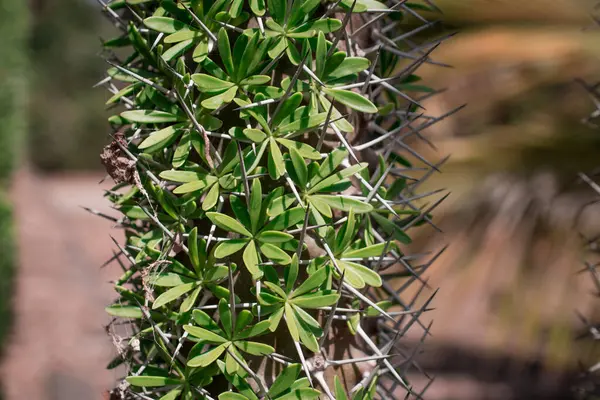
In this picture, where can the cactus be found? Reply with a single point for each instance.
(265, 188)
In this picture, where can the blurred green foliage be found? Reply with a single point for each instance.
(68, 123)
(13, 90)
(13, 125)
(6, 268)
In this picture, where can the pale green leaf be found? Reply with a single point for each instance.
(230, 247)
(352, 99)
(173, 294)
(227, 223)
(210, 84)
(207, 358)
(254, 348)
(149, 116)
(152, 381)
(275, 254)
(204, 334)
(344, 203)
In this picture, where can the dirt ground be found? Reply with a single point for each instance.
(58, 348)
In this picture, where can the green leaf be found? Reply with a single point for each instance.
(207, 358)
(274, 237)
(200, 52)
(170, 279)
(160, 138)
(277, 9)
(364, 252)
(275, 254)
(280, 204)
(177, 50)
(242, 68)
(256, 330)
(227, 223)
(232, 396)
(312, 282)
(288, 107)
(188, 303)
(230, 247)
(308, 322)
(225, 51)
(126, 91)
(285, 379)
(305, 150)
(315, 301)
(340, 122)
(258, 7)
(165, 24)
(194, 186)
(352, 100)
(384, 305)
(182, 151)
(225, 316)
(304, 394)
(254, 348)
(210, 84)
(255, 80)
(329, 165)
(359, 275)
(333, 62)
(346, 232)
(193, 249)
(181, 176)
(124, 311)
(391, 228)
(291, 323)
(173, 294)
(338, 176)
(306, 336)
(152, 381)
(285, 220)
(340, 393)
(149, 116)
(204, 320)
(276, 164)
(211, 198)
(204, 334)
(299, 167)
(278, 47)
(255, 135)
(215, 102)
(344, 203)
(291, 273)
(244, 317)
(250, 257)
(321, 54)
(350, 65)
(172, 395)
(325, 25)
(275, 318)
(303, 124)
(240, 210)
(319, 205)
(184, 34)
(255, 204)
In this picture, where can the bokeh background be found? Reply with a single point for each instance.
(505, 323)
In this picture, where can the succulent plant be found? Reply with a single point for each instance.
(265, 188)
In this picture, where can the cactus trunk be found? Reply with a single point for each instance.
(263, 171)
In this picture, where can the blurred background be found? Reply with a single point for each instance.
(505, 324)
